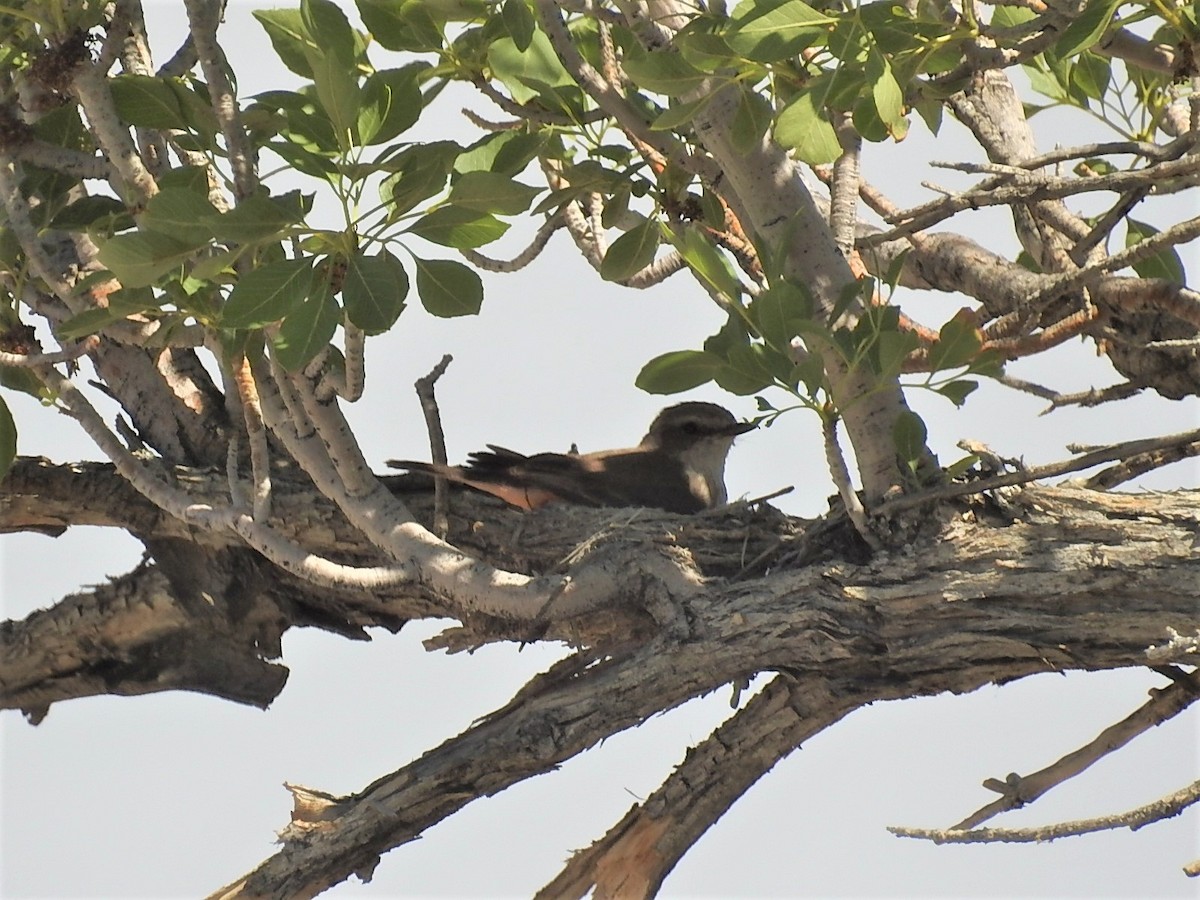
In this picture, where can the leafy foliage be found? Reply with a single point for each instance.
(795, 69)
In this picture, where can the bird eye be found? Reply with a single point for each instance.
(691, 428)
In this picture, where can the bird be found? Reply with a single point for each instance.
(679, 466)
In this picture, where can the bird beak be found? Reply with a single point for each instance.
(740, 428)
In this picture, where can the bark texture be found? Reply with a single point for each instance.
(984, 591)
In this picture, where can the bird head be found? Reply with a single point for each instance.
(688, 424)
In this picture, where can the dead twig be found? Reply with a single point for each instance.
(437, 442)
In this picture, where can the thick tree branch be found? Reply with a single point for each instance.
(637, 853)
(954, 615)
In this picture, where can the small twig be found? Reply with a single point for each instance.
(841, 478)
(522, 259)
(203, 19)
(30, 360)
(437, 442)
(754, 501)
(1028, 387)
(1087, 461)
(355, 346)
(256, 432)
(1140, 465)
(1134, 819)
(1181, 233)
(1094, 396)
(1018, 791)
(1016, 185)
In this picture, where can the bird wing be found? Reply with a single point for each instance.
(502, 473)
(610, 478)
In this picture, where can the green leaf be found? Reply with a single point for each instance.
(732, 334)
(146, 102)
(909, 434)
(373, 291)
(1009, 16)
(138, 259)
(930, 110)
(1087, 29)
(338, 91)
(490, 192)
(746, 370)
(255, 218)
(197, 110)
(663, 73)
(326, 22)
(289, 37)
(453, 226)
(679, 370)
(121, 304)
(19, 378)
(536, 65)
(179, 213)
(708, 263)
(958, 342)
(304, 160)
(518, 22)
(956, 391)
(751, 120)
(505, 153)
(804, 127)
(885, 91)
(1092, 75)
(770, 31)
(867, 122)
(679, 114)
(8, 439)
(421, 172)
(93, 210)
(779, 311)
(810, 372)
(892, 349)
(705, 50)
(307, 329)
(391, 103)
(448, 288)
(1164, 264)
(268, 293)
(631, 252)
(402, 24)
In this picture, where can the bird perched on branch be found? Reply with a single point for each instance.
(679, 466)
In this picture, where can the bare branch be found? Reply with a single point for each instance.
(525, 257)
(34, 360)
(1033, 186)
(1140, 464)
(1164, 808)
(841, 478)
(1018, 790)
(1180, 233)
(203, 18)
(260, 458)
(91, 87)
(637, 853)
(609, 97)
(1087, 461)
(437, 441)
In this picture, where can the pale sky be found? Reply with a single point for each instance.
(174, 795)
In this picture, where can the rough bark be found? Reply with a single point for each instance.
(1070, 579)
(1049, 580)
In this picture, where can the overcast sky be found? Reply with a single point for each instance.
(176, 794)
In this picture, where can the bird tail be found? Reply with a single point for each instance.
(425, 468)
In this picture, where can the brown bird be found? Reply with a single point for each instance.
(679, 466)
